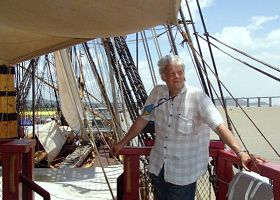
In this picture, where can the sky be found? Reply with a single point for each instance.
(252, 26)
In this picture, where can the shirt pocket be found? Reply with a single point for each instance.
(185, 125)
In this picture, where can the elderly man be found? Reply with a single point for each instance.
(183, 116)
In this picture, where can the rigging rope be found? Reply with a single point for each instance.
(102, 88)
(25, 84)
(207, 87)
(242, 111)
(155, 38)
(131, 74)
(245, 54)
(245, 63)
(171, 40)
(120, 77)
(213, 63)
(131, 71)
(52, 81)
(148, 56)
(121, 89)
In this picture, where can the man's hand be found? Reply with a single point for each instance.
(115, 148)
(134, 130)
(247, 160)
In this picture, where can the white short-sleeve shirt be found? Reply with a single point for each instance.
(182, 126)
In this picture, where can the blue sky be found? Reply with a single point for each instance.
(238, 12)
(251, 26)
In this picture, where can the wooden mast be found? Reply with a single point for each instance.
(8, 116)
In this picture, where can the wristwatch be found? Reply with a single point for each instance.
(240, 151)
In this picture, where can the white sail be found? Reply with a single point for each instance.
(52, 137)
(31, 28)
(70, 100)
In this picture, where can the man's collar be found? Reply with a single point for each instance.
(184, 89)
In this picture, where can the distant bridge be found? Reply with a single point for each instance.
(251, 101)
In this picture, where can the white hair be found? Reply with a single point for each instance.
(169, 60)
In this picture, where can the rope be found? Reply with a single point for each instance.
(133, 77)
(243, 112)
(245, 63)
(213, 62)
(155, 38)
(245, 54)
(120, 78)
(132, 73)
(148, 56)
(206, 88)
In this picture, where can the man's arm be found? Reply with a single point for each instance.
(229, 139)
(138, 125)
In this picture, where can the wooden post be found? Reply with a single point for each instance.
(8, 116)
(276, 189)
(131, 177)
(10, 165)
(18, 159)
(131, 171)
(27, 170)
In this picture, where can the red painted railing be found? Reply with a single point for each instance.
(223, 161)
(17, 166)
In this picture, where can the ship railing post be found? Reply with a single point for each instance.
(131, 171)
(17, 159)
(10, 167)
(276, 189)
(223, 165)
(27, 170)
(131, 177)
(225, 175)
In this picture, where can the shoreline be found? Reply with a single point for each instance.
(266, 120)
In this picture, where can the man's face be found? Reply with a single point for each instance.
(174, 77)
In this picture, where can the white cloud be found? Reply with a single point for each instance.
(194, 9)
(258, 21)
(237, 36)
(273, 37)
(241, 36)
(264, 45)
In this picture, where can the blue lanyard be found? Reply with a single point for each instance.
(163, 100)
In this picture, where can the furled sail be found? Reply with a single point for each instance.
(70, 100)
(34, 27)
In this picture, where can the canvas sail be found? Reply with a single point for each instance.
(70, 100)
(52, 137)
(34, 27)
